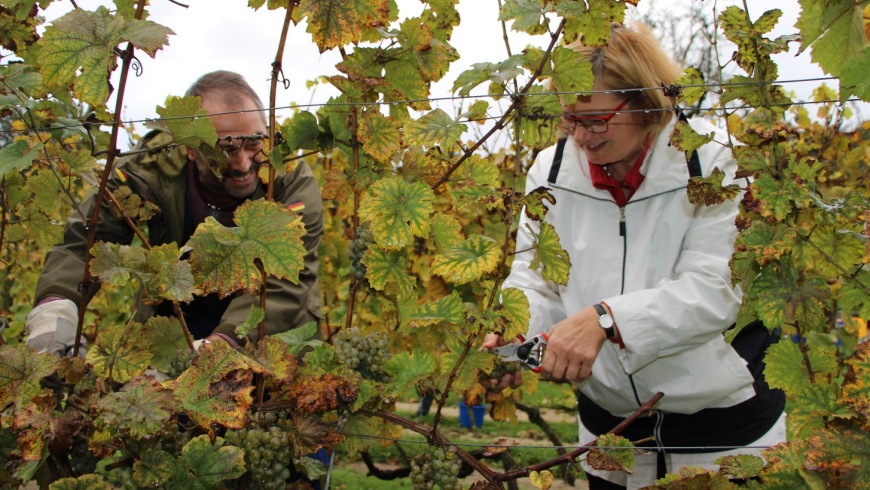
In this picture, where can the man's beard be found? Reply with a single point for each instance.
(215, 180)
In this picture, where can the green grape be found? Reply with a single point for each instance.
(436, 466)
(180, 362)
(268, 451)
(364, 354)
(357, 248)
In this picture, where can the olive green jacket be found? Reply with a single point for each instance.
(161, 178)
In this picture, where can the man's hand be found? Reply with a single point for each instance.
(573, 346)
(51, 327)
(513, 380)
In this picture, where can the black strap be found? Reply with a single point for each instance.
(557, 161)
(694, 163)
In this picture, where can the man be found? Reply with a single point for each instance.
(187, 188)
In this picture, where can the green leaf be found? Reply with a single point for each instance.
(407, 369)
(256, 316)
(686, 139)
(386, 272)
(337, 23)
(18, 155)
(469, 260)
(841, 35)
(515, 306)
(709, 191)
(160, 272)
(217, 386)
(39, 227)
(406, 83)
(474, 360)
(740, 466)
(854, 77)
(550, 257)
(449, 309)
(166, 338)
(446, 231)
(498, 73)
(692, 76)
(771, 292)
(299, 337)
(613, 453)
(359, 424)
(45, 189)
(591, 25)
(785, 468)
(380, 136)
(183, 119)
(79, 46)
(157, 468)
(853, 296)
(84, 482)
(212, 463)
(397, 211)
(21, 369)
(118, 353)
(835, 250)
(785, 369)
(535, 208)
(540, 117)
(436, 127)
(476, 111)
(571, 73)
(273, 354)
(300, 131)
(527, 16)
(141, 409)
(224, 259)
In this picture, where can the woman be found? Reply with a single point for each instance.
(649, 295)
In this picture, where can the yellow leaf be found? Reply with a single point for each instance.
(542, 480)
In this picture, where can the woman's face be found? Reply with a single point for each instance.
(607, 135)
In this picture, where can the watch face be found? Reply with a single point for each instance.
(606, 321)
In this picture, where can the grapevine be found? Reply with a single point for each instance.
(365, 354)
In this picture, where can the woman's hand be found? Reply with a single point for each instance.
(514, 380)
(573, 346)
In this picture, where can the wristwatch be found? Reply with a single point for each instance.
(605, 321)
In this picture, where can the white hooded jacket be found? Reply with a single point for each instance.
(660, 263)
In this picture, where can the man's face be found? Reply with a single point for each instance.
(239, 179)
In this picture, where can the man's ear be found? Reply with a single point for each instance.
(191, 155)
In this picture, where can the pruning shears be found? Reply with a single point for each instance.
(529, 352)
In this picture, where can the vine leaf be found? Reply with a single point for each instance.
(310, 433)
(446, 231)
(571, 72)
(141, 408)
(834, 32)
(18, 155)
(854, 76)
(515, 306)
(535, 208)
(21, 369)
(256, 316)
(448, 309)
(785, 467)
(407, 369)
(614, 453)
(273, 354)
(360, 424)
(223, 259)
(386, 272)
(469, 260)
(550, 257)
(527, 16)
(42, 429)
(592, 24)
(498, 73)
(692, 81)
(212, 463)
(466, 374)
(785, 368)
(217, 386)
(436, 127)
(543, 480)
(300, 131)
(709, 190)
(337, 23)
(397, 211)
(687, 139)
(771, 291)
(740, 466)
(84, 482)
(856, 392)
(162, 275)
(166, 338)
(299, 337)
(45, 232)
(839, 455)
(380, 136)
(183, 119)
(540, 111)
(157, 468)
(78, 48)
(119, 353)
(476, 181)
(324, 392)
(133, 205)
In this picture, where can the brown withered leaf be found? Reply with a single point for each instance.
(38, 423)
(336, 185)
(274, 354)
(482, 485)
(534, 203)
(322, 394)
(309, 434)
(72, 370)
(500, 445)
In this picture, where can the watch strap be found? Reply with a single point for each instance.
(609, 331)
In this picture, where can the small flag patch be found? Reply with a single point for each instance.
(296, 206)
(121, 175)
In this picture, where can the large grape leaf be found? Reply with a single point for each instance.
(854, 77)
(223, 259)
(446, 231)
(571, 73)
(274, 354)
(785, 369)
(38, 226)
(540, 113)
(158, 468)
(475, 181)
(407, 368)
(481, 72)
(337, 23)
(83, 482)
(687, 139)
(740, 466)
(835, 249)
(856, 389)
(436, 127)
(405, 83)
(119, 353)
(397, 211)
(469, 260)
(162, 275)
(592, 24)
(515, 306)
(814, 407)
(380, 136)
(709, 190)
(785, 468)
(141, 408)
(449, 309)
(612, 453)
(217, 386)
(18, 155)
(834, 31)
(841, 457)
(692, 81)
(300, 131)
(385, 271)
(182, 119)
(771, 291)
(20, 371)
(78, 48)
(550, 257)
(299, 337)
(165, 337)
(212, 463)
(527, 15)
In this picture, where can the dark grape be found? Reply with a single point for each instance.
(436, 466)
(365, 354)
(81, 459)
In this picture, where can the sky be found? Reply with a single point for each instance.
(226, 34)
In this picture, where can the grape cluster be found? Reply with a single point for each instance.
(364, 354)
(361, 240)
(180, 362)
(268, 453)
(502, 369)
(437, 466)
(81, 459)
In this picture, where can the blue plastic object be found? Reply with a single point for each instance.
(477, 411)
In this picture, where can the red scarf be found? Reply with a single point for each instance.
(601, 180)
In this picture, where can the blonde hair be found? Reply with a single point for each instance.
(633, 59)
